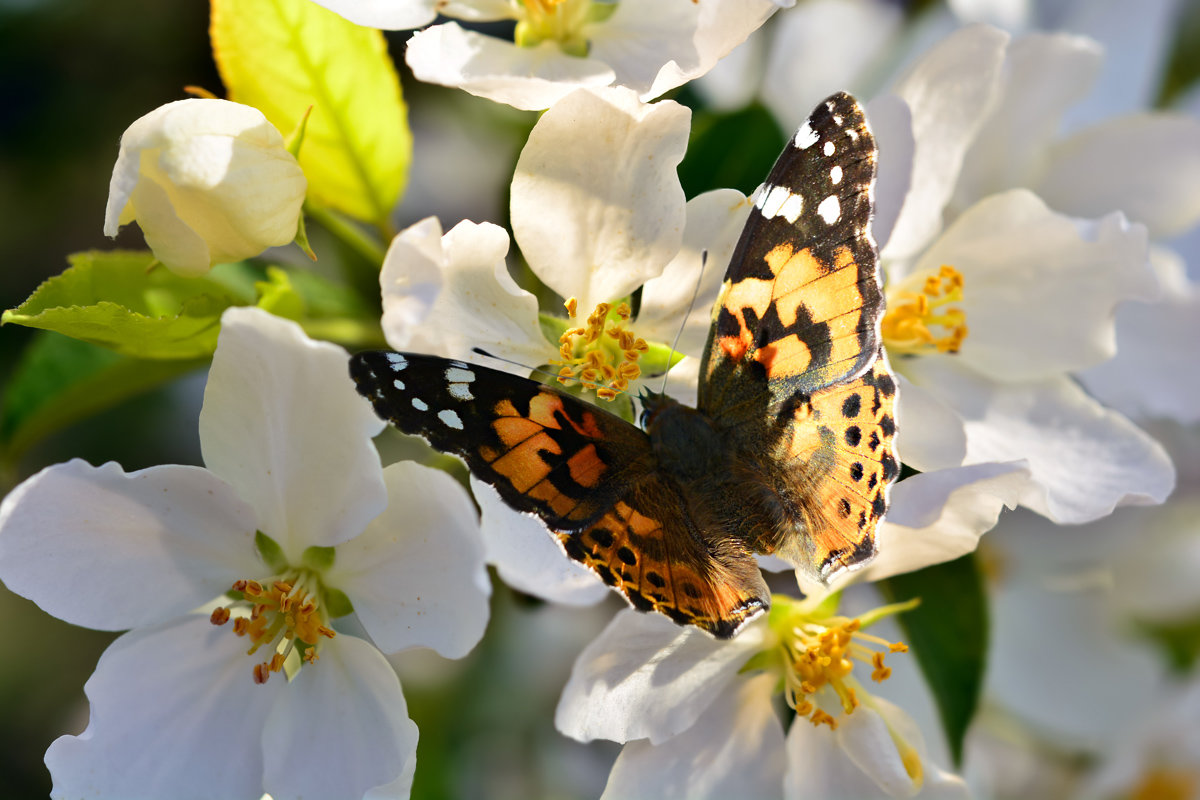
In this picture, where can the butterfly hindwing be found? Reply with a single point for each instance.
(648, 547)
(587, 474)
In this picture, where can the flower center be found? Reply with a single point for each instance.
(285, 615)
(819, 651)
(601, 355)
(917, 319)
(1165, 783)
(560, 21)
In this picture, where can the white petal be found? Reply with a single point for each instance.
(655, 47)
(645, 678)
(641, 37)
(526, 556)
(866, 736)
(340, 729)
(735, 749)
(714, 223)
(949, 93)
(1023, 267)
(1055, 656)
(171, 239)
(1085, 459)
(1008, 14)
(597, 208)
(930, 434)
(1147, 378)
(806, 64)
(939, 516)
(1137, 36)
(416, 575)
(175, 712)
(1146, 165)
(819, 769)
(134, 549)
(449, 294)
(283, 424)
(529, 78)
(891, 122)
(387, 14)
(1044, 75)
(1155, 575)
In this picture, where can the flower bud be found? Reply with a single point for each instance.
(208, 181)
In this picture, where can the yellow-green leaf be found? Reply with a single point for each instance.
(283, 56)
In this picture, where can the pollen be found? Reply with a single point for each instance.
(284, 616)
(918, 319)
(819, 655)
(602, 354)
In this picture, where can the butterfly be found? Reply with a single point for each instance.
(789, 450)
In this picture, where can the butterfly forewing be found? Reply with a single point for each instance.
(800, 306)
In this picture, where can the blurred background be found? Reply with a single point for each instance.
(73, 75)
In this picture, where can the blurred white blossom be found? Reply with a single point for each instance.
(294, 512)
(560, 45)
(208, 181)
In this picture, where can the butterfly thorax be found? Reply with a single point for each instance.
(682, 438)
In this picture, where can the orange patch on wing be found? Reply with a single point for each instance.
(524, 465)
(544, 490)
(586, 467)
(514, 430)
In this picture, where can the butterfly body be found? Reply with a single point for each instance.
(788, 452)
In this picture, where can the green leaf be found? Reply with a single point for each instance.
(122, 301)
(283, 56)
(730, 150)
(59, 381)
(948, 633)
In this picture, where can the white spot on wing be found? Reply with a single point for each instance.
(450, 419)
(830, 209)
(399, 384)
(399, 362)
(835, 175)
(460, 391)
(459, 375)
(805, 138)
(792, 208)
(419, 404)
(772, 200)
(830, 148)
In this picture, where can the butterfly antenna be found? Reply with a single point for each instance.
(691, 305)
(536, 370)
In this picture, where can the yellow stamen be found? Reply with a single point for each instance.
(819, 653)
(1165, 783)
(283, 617)
(601, 355)
(917, 309)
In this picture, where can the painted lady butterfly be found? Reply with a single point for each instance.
(789, 450)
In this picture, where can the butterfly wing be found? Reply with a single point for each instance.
(587, 474)
(795, 347)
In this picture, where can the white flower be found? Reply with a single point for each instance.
(294, 507)
(697, 713)
(208, 181)
(560, 45)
